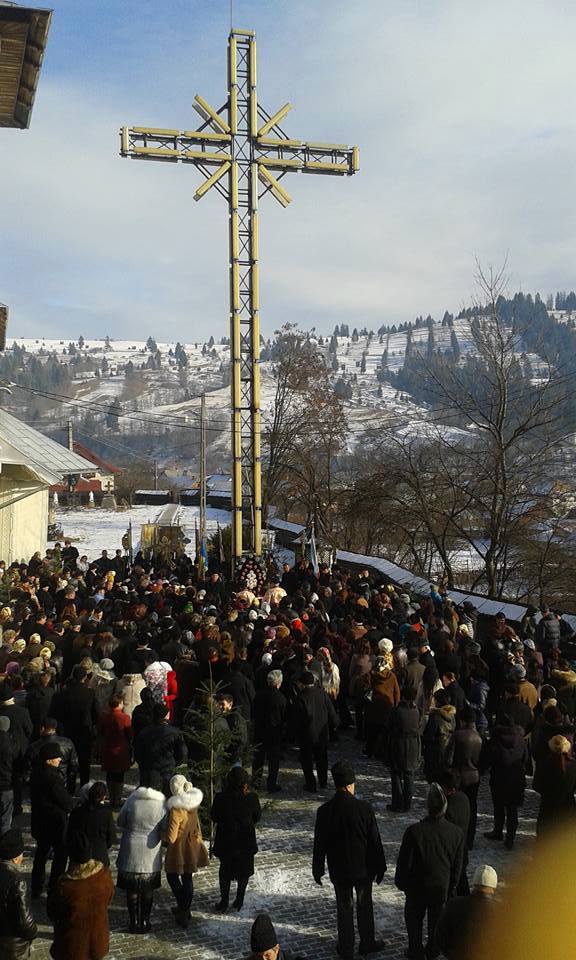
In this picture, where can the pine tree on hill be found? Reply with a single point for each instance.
(455, 345)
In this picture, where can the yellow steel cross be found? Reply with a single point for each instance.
(243, 153)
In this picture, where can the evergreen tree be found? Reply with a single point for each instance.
(354, 335)
(81, 341)
(363, 363)
(455, 345)
(151, 345)
(211, 744)
(114, 412)
(431, 345)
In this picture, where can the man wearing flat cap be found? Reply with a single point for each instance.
(17, 927)
(347, 835)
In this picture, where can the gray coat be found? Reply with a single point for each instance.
(141, 820)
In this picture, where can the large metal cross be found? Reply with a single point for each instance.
(243, 153)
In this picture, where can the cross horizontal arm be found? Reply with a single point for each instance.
(307, 157)
(153, 143)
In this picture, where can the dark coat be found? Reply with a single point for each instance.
(242, 690)
(96, 821)
(236, 815)
(269, 712)
(79, 908)
(17, 927)
(404, 737)
(544, 732)
(38, 703)
(548, 633)
(7, 754)
(51, 804)
(68, 768)
(20, 727)
(466, 750)
(75, 709)
(313, 713)
(456, 694)
(458, 811)
(160, 747)
(412, 677)
(507, 755)
(456, 934)
(430, 858)
(437, 741)
(346, 834)
(555, 781)
(142, 717)
(519, 712)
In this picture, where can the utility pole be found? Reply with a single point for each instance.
(70, 436)
(243, 153)
(202, 470)
(155, 474)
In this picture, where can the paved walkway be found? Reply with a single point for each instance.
(303, 913)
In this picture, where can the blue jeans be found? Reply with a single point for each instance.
(6, 809)
(182, 887)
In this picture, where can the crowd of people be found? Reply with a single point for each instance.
(107, 665)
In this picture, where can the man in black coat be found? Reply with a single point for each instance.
(269, 711)
(17, 927)
(404, 753)
(314, 712)
(346, 834)
(51, 803)
(68, 768)
(20, 732)
(458, 812)
(7, 751)
(160, 747)
(427, 871)
(76, 710)
(467, 750)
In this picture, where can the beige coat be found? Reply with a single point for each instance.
(185, 852)
(132, 685)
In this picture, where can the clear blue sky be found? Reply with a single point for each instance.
(464, 115)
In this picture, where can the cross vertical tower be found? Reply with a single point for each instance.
(243, 146)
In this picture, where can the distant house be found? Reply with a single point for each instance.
(29, 464)
(218, 492)
(99, 480)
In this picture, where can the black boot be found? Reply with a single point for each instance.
(132, 904)
(147, 899)
(240, 891)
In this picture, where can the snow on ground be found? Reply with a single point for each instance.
(95, 530)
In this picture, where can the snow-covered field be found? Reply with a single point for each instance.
(95, 530)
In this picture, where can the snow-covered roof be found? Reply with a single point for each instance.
(22, 444)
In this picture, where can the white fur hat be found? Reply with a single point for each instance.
(179, 784)
(385, 645)
(485, 876)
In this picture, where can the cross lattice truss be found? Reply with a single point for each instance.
(243, 153)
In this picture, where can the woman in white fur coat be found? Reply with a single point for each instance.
(185, 853)
(140, 854)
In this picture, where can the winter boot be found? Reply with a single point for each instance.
(132, 904)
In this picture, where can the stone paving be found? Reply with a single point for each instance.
(303, 913)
